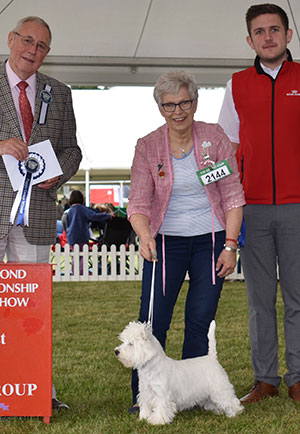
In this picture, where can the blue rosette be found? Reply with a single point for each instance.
(31, 169)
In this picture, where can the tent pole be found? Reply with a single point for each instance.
(87, 188)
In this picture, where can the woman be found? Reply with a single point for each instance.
(192, 228)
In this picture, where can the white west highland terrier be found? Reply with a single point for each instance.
(167, 386)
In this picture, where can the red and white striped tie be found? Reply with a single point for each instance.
(25, 109)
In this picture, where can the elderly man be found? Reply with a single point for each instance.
(33, 108)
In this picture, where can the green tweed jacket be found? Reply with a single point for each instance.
(60, 128)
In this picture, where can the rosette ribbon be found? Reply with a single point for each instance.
(32, 168)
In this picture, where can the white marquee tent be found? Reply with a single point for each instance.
(131, 42)
(113, 42)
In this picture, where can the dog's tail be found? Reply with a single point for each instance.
(212, 346)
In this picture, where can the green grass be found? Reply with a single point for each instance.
(87, 318)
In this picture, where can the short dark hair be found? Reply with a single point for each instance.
(266, 8)
(76, 197)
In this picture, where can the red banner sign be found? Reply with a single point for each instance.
(26, 340)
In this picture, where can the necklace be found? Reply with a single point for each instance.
(183, 153)
(179, 148)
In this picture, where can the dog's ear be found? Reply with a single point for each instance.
(131, 324)
(146, 331)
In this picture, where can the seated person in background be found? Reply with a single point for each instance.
(78, 218)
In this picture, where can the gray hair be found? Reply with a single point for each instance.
(172, 81)
(30, 19)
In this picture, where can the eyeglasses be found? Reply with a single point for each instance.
(170, 107)
(28, 41)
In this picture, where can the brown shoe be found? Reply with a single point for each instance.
(294, 392)
(259, 391)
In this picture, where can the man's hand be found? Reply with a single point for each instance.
(46, 185)
(14, 147)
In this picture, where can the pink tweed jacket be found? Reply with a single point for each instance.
(152, 174)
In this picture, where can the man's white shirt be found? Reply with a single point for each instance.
(228, 118)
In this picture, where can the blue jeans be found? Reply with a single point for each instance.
(182, 255)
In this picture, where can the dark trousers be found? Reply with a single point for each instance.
(182, 255)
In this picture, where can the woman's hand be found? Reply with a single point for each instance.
(227, 259)
(148, 248)
(140, 224)
(226, 263)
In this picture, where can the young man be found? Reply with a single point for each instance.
(260, 114)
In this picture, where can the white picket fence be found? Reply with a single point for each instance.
(104, 264)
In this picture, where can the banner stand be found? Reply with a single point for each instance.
(26, 340)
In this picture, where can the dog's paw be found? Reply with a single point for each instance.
(155, 420)
(145, 414)
(233, 411)
(160, 418)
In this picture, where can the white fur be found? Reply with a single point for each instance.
(167, 386)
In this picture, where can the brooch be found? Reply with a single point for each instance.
(161, 173)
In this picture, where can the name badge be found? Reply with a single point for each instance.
(214, 173)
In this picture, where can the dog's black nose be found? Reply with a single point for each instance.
(117, 352)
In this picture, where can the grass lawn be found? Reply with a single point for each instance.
(87, 318)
